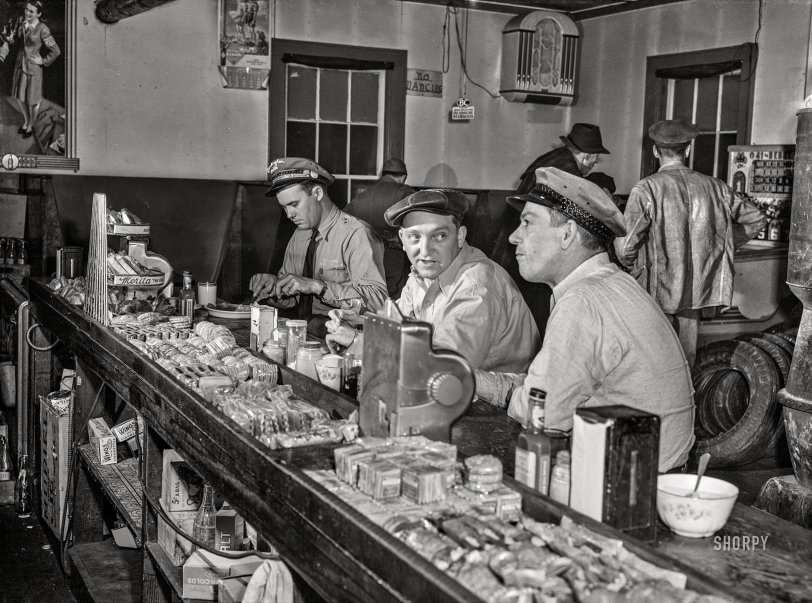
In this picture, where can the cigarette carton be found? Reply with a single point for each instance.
(182, 487)
(103, 441)
(174, 545)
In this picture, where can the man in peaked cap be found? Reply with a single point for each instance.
(473, 305)
(333, 260)
(606, 341)
(683, 227)
(370, 205)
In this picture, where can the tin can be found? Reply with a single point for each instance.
(263, 322)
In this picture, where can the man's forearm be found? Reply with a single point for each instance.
(496, 388)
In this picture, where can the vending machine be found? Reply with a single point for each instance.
(763, 174)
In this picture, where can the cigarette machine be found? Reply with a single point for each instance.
(407, 386)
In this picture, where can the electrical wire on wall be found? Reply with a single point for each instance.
(452, 14)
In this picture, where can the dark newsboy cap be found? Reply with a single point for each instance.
(393, 165)
(672, 132)
(577, 198)
(586, 138)
(287, 171)
(446, 202)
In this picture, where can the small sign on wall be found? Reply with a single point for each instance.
(245, 60)
(424, 82)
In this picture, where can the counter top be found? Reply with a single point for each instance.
(346, 557)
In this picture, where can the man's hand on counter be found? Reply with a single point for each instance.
(261, 284)
(291, 284)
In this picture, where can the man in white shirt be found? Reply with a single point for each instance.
(607, 342)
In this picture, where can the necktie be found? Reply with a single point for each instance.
(306, 300)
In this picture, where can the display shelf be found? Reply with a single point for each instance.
(121, 485)
(171, 573)
(106, 572)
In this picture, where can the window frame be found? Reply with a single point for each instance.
(656, 90)
(394, 121)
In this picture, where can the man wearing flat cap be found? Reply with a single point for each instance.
(473, 305)
(606, 341)
(333, 260)
(369, 205)
(683, 227)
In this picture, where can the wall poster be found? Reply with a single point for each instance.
(245, 58)
(36, 85)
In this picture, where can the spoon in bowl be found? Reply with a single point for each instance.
(703, 464)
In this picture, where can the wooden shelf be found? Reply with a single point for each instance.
(121, 485)
(171, 573)
(107, 572)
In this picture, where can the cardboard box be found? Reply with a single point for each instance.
(202, 571)
(55, 455)
(182, 487)
(229, 529)
(103, 441)
(174, 545)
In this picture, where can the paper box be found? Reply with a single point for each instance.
(103, 441)
(55, 455)
(229, 529)
(174, 545)
(182, 487)
(202, 571)
(232, 590)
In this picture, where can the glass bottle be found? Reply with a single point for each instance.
(533, 446)
(3, 245)
(22, 489)
(560, 478)
(11, 252)
(204, 527)
(6, 470)
(354, 364)
(22, 254)
(187, 297)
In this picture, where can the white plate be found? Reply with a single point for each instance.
(228, 313)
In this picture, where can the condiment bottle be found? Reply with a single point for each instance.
(22, 489)
(354, 364)
(204, 526)
(187, 296)
(560, 478)
(533, 447)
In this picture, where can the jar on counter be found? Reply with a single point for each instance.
(306, 356)
(297, 334)
(275, 350)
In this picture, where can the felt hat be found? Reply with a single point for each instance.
(586, 138)
(577, 198)
(287, 171)
(446, 202)
(393, 165)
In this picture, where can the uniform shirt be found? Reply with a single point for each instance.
(348, 259)
(561, 158)
(608, 343)
(680, 237)
(477, 311)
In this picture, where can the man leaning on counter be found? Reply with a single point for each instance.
(333, 260)
(607, 342)
(473, 305)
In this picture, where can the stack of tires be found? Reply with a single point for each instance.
(738, 416)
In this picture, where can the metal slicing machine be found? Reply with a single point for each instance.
(407, 386)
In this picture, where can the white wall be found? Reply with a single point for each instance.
(151, 102)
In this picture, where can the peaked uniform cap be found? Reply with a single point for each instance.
(586, 138)
(287, 171)
(446, 202)
(672, 132)
(577, 198)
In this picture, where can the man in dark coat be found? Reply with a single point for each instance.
(370, 205)
(577, 157)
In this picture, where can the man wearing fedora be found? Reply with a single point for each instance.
(473, 305)
(369, 205)
(606, 341)
(333, 260)
(683, 227)
(578, 155)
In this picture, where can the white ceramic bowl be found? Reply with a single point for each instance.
(694, 517)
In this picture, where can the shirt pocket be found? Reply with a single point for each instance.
(333, 271)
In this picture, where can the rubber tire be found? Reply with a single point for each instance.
(747, 440)
(729, 399)
(704, 387)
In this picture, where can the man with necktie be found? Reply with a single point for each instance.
(333, 260)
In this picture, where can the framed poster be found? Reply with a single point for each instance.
(37, 108)
(245, 59)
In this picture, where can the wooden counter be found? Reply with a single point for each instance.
(340, 553)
